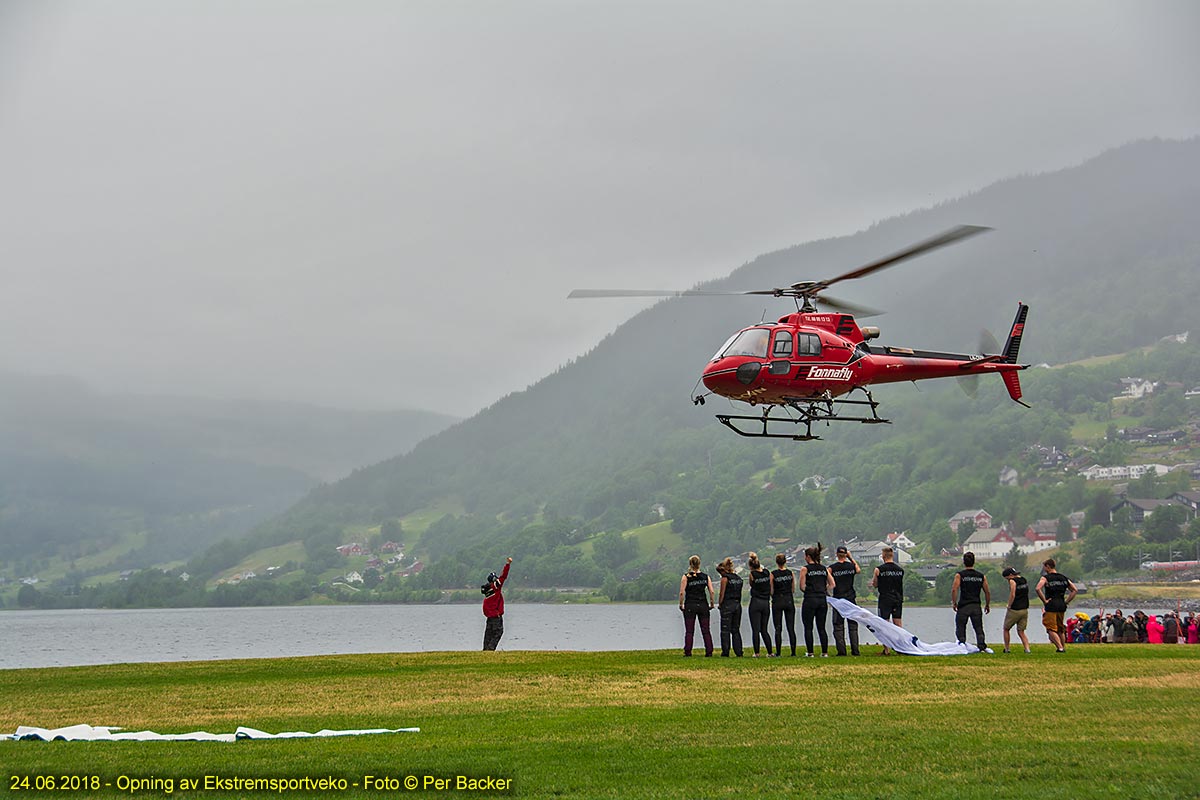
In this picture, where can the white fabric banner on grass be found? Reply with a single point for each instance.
(89, 733)
(896, 637)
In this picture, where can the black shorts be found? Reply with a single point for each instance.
(889, 609)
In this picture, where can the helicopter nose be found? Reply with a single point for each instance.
(730, 382)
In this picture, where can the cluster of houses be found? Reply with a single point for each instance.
(1140, 510)
(988, 542)
(394, 552)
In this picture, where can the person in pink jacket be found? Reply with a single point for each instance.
(1154, 631)
(1193, 631)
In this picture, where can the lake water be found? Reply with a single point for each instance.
(90, 636)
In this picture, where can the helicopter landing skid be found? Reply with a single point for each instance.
(807, 412)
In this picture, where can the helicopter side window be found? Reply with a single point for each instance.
(783, 345)
(751, 342)
(810, 344)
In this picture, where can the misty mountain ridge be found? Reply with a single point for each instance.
(80, 470)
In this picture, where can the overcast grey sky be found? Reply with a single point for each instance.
(384, 204)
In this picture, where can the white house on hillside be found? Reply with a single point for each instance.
(1128, 472)
(995, 543)
(871, 553)
(1136, 387)
(1009, 476)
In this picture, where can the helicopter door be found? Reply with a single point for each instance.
(781, 353)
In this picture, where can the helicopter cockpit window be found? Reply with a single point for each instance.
(810, 344)
(783, 345)
(752, 343)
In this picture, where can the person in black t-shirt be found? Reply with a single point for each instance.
(888, 581)
(816, 583)
(1018, 607)
(783, 603)
(760, 604)
(968, 584)
(729, 606)
(1056, 591)
(844, 571)
(695, 601)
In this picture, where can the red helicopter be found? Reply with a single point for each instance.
(804, 363)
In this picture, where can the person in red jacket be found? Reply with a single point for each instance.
(493, 607)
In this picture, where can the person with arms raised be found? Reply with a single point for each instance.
(729, 606)
(844, 572)
(493, 607)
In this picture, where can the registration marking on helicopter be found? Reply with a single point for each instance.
(827, 374)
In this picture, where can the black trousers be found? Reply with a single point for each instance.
(839, 633)
(779, 612)
(815, 611)
(973, 612)
(760, 616)
(493, 632)
(731, 629)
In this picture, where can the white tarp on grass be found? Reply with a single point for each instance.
(89, 733)
(896, 637)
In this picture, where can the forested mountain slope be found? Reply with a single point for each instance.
(1106, 253)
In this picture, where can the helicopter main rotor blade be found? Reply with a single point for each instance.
(806, 289)
(951, 236)
(583, 294)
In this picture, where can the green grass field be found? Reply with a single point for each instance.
(1100, 721)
